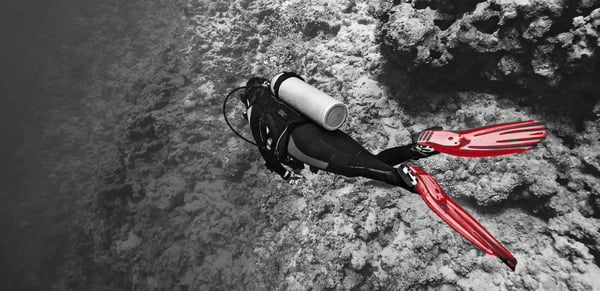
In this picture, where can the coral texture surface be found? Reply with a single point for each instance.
(163, 196)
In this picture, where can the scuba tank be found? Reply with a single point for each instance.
(312, 102)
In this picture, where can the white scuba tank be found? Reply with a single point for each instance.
(312, 102)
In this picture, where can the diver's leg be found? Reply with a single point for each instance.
(396, 155)
(338, 153)
(344, 142)
(364, 165)
(401, 154)
(316, 160)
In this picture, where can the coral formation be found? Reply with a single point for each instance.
(546, 48)
(180, 203)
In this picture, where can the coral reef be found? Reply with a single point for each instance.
(537, 48)
(178, 202)
(208, 215)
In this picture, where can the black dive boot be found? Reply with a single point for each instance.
(422, 151)
(406, 175)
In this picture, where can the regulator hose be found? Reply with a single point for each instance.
(225, 112)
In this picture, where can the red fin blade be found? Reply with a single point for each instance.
(458, 218)
(507, 135)
(491, 140)
(504, 126)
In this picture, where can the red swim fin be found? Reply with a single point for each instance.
(492, 140)
(457, 217)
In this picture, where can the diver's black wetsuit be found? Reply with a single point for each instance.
(335, 151)
(285, 136)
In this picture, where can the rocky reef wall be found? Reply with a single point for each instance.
(544, 51)
(188, 205)
(68, 71)
(170, 199)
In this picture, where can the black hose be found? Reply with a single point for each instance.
(225, 112)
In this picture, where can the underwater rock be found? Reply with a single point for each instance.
(545, 47)
(117, 192)
(143, 128)
(213, 217)
(132, 242)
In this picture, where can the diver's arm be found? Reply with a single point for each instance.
(274, 165)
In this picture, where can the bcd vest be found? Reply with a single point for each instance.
(277, 121)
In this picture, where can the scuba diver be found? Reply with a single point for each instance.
(294, 124)
(285, 136)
